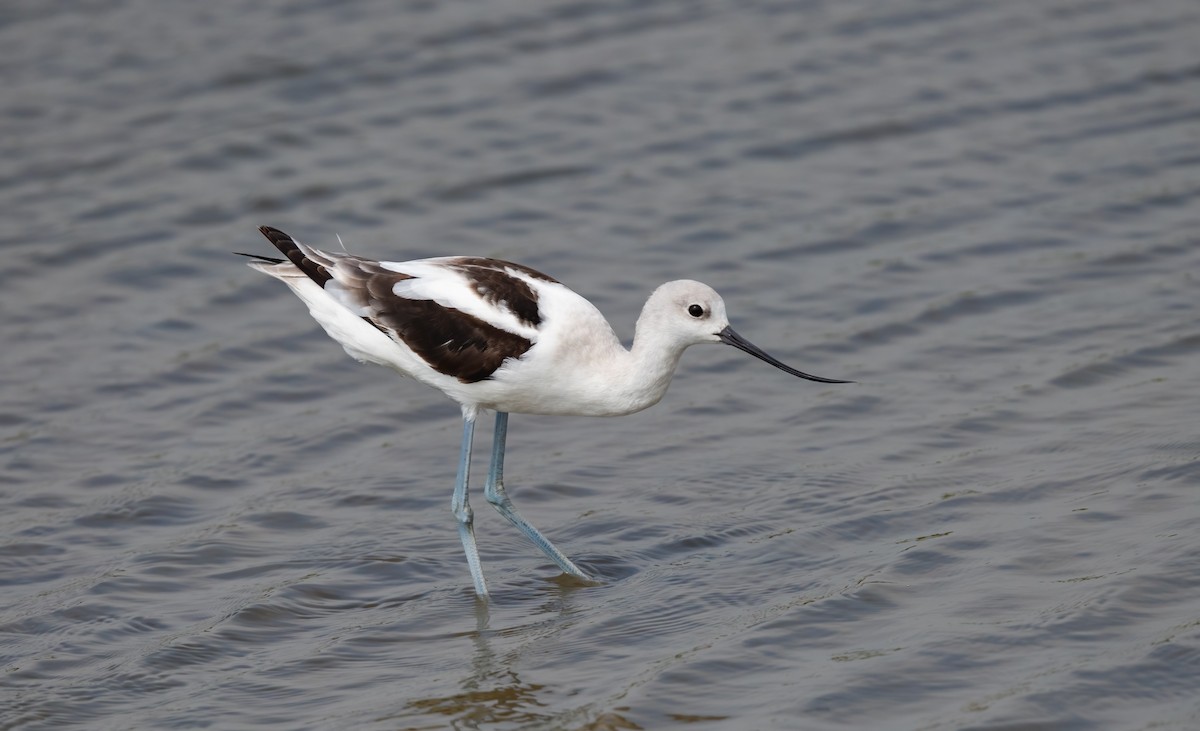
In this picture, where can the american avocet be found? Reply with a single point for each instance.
(500, 336)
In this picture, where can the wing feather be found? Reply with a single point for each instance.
(420, 308)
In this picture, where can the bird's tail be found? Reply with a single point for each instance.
(301, 262)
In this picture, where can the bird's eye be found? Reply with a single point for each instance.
(696, 311)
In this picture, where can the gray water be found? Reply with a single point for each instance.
(986, 214)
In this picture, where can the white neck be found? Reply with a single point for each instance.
(644, 371)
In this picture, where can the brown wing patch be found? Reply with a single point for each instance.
(491, 280)
(449, 340)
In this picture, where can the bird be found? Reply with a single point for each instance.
(497, 336)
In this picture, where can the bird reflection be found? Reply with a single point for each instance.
(493, 692)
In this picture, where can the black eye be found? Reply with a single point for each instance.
(696, 311)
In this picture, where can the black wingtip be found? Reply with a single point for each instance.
(287, 246)
(281, 240)
(259, 257)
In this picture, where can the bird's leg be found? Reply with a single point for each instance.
(461, 506)
(493, 490)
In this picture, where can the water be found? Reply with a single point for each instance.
(984, 213)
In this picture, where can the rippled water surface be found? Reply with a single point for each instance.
(986, 214)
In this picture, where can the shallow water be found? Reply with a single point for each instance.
(985, 214)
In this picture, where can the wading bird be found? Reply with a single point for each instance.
(498, 336)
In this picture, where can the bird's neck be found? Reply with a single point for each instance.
(650, 364)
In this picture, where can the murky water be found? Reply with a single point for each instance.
(987, 214)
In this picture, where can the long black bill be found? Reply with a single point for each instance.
(729, 337)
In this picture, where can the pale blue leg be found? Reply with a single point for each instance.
(493, 490)
(461, 506)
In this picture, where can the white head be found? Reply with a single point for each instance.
(684, 312)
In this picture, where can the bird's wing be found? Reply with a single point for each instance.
(463, 316)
